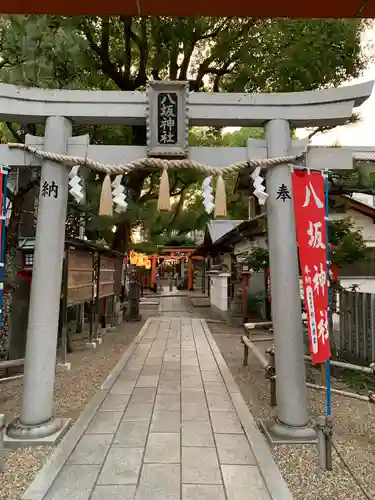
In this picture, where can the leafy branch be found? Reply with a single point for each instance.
(355, 118)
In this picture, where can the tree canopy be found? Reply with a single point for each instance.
(227, 54)
(346, 246)
(124, 53)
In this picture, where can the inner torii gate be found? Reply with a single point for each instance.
(179, 254)
(278, 113)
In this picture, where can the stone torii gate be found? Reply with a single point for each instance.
(278, 113)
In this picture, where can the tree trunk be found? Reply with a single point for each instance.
(5, 327)
(27, 190)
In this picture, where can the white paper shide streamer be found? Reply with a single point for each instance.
(118, 195)
(259, 189)
(76, 185)
(208, 197)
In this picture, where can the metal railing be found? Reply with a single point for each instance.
(2, 433)
(270, 370)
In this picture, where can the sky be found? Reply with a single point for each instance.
(363, 132)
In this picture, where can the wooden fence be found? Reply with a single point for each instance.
(357, 326)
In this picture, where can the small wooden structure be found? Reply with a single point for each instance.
(355, 338)
(84, 261)
(87, 268)
(92, 276)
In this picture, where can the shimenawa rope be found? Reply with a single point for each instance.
(154, 163)
(106, 201)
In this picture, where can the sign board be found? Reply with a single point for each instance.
(80, 276)
(309, 210)
(167, 119)
(107, 277)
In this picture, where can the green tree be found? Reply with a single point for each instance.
(229, 54)
(242, 55)
(239, 137)
(213, 54)
(346, 246)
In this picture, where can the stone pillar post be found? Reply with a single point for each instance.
(292, 422)
(219, 291)
(36, 419)
(190, 274)
(153, 271)
(182, 269)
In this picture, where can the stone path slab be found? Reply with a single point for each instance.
(168, 424)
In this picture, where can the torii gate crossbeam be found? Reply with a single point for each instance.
(300, 109)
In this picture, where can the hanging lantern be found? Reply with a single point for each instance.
(133, 258)
(141, 262)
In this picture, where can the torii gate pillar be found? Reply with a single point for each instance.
(292, 422)
(36, 420)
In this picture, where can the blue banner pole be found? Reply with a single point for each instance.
(329, 315)
(4, 173)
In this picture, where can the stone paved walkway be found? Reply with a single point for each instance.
(168, 424)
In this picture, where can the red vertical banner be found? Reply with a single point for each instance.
(309, 209)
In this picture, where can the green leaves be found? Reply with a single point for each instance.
(287, 56)
(347, 244)
(224, 54)
(258, 259)
(215, 54)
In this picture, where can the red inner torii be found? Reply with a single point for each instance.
(177, 254)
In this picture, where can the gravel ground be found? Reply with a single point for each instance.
(354, 421)
(354, 431)
(73, 390)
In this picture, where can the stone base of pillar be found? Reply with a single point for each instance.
(63, 367)
(279, 433)
(48, 433)
(90, 345)
(134, 319)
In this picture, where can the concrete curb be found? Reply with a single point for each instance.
(46, 476)
(44, 479)
(273, 479)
